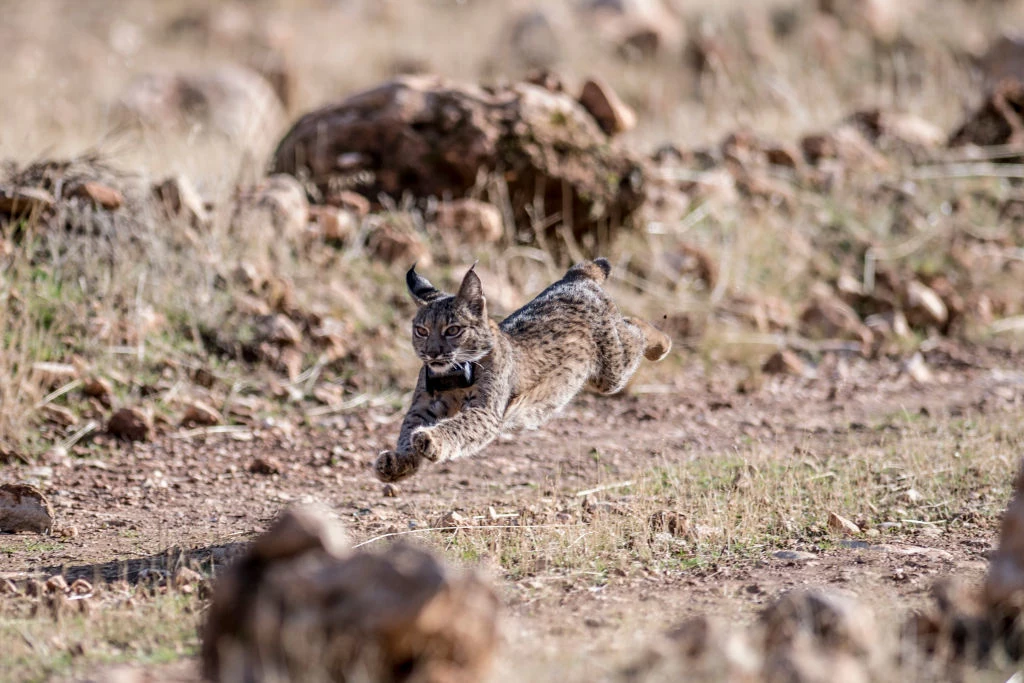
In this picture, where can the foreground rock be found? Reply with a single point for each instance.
(299, 607)
(429, 137)
(24, 508)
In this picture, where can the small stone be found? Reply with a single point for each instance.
(612, 114)
(185, 577)
(180, 198)
(918, 369)
(913, 496)
(56, 584)
(101, 195)
(470, 221)
(389, 491)
(784, 362)
(335, 225)
(131, 424)
(794, 555)
(840, 524)
(199, 413)
(24, 508)
(67, 532)
(99, 388)
(925, 308)
(450, 520)
(265, 465)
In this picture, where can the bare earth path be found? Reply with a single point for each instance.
(569, 570)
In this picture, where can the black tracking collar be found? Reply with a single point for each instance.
(459, 377)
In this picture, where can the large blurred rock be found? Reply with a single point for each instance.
(429, 137)
(298, 607)
(229, 101)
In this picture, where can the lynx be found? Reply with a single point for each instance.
(480, 377)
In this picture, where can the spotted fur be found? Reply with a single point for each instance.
(525, 369)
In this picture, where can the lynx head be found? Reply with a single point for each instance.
(449, 330)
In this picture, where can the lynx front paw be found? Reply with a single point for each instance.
(392, 465)
(425, 444)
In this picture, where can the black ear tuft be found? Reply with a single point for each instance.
(420, 288)
(471, 292)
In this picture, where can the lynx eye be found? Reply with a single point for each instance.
(420, 331)
(453, 331)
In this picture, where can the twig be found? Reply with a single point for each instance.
(461, 528)
(966, 170)
(57, 393)
(606, 487)
(216, 429)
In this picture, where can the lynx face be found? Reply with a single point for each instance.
(448, 331)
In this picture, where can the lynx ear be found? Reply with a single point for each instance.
(471, 292)
(420, 288)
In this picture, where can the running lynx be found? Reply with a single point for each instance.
(480, 377)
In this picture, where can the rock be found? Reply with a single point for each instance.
(101, 195)
(888, 128)
(396, 242)
(277, 329)
(918, 369)
(427, 137)
(833, 621)
(610, 112)
(131, 424)
(334, 224)
(842, 525)
(265, 465)
(794, 555)
(186, 577)
(179, 198)
(199, 413)
(828, 317)
(300, 606)
(18, 201)
(847, 145)
(277, 203)
(702, 648)
(99, 388)
(997, 121)
(784, 362)
(470, 221)
(924, 308)
(23, 507)
(389, 491)
(232, 102)
(672, 523)
(532, 40)
(639, 29)
(450, 520)
(56, 584)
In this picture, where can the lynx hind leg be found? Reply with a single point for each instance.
(620, 348)
(657, 344)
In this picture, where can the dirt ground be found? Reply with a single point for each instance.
(194, 497)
